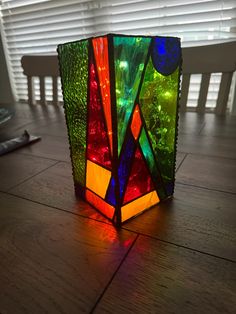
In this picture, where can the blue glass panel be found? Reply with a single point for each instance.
(123, 169)
(166, 54)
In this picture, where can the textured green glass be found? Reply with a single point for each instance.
(129, 57)
(74, 72)
(158, 100)
(148, 154)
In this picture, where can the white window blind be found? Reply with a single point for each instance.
(38, 26)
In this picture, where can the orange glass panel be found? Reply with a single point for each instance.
(97, 178)
(136, 122)
(100, 204)
(139, 205)
(100, 48)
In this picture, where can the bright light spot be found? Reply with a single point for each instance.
(123, 64)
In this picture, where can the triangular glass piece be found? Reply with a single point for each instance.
(136, 122)
(130, 55)
(151, 163)
(100, 48)
(98, 146)
(140, 181)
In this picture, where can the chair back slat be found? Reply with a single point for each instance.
(203, 92)
(184, 91)
(54, 91)
(42, 90)
(31, 96)
(223, 94)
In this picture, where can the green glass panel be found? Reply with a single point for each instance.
(148, 154)
(129, 57)
(158, 101)
(74, 73)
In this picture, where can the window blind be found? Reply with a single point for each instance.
(38, 26)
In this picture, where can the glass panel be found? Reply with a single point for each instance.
(129, 57)
(147, 152)
(166, 54)
(74, 71)
(100, 48)
(97, 178)
(140, 181)
(123, 168)
(136, 122)
(100, 204)
(158, 101)
(139, 205)
(98, 146)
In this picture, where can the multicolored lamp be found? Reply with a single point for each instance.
(121, 100)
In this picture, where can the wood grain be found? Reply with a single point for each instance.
(52, 261)
(197, 218)
(55, 187)
(161, 278)
(15, 168)
(191, 122)
(220, 126)
(52, 147)
(207, 145)
(209, 172)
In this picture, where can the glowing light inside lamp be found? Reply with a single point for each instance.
(120, 98)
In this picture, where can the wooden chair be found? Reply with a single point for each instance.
(41, 66)
(203, 60)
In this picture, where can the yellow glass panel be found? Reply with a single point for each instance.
(139, 205)
(97, 178)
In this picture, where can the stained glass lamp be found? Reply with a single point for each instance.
(120, 99)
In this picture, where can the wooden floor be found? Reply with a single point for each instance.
(58, 255)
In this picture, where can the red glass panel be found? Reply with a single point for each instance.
(100, 48)
(98, 147)
(140, 181)
(136, 122)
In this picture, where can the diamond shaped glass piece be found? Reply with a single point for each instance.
(136, 122)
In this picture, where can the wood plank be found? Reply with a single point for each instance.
(203, 92)
(160, 278)
(223, 94)
(208, 172)
(201, 219)
(207, 145)
(16, 168)
(191, 122)
(52, 261)
(52, 147)
(55, 187)
(220, 126)
(184, 92)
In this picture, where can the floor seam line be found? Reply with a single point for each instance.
(201, 128)
(180, 164)
(114, 274)
(204, 188)
(182, 246)
(57, 208)
(29, 178)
